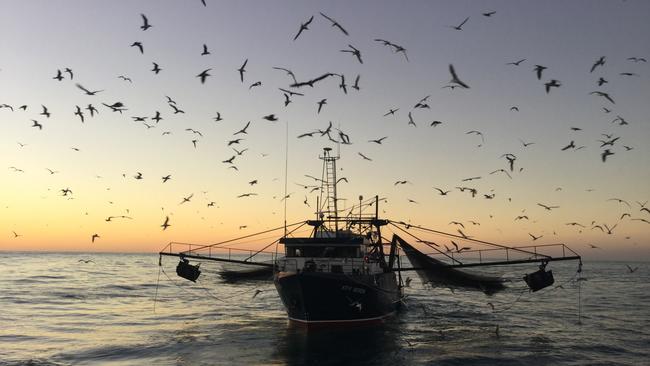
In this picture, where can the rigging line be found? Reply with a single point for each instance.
(286, 173)
(207, 291)
(277, 240)
(239, 238)
(441, 252)
(469, 239)
(155, 297)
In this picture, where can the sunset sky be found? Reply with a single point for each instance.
(94, 38)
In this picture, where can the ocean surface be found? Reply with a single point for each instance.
(58, 310)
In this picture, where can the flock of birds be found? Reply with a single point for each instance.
(299, 87)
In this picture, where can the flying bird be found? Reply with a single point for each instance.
(604, 95)
(516, 63)
(166, 224)
(538, 70)
(303, 27)
(139, 45)
(459, 26)
(455, 79)
(156, 69)
(145, 23)
(88, 92)
(354, 51)
(92, 238)
(599, 62)
(203, 75)
(242, 70)
(335, 24)
(205, 50)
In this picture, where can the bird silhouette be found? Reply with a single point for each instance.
(303, 27)
(599, 62)
(630, 269)
(455, 79)
(203, 75)
(459, 26)
(145, 23)
(538, 71)
(156, 69)
(335, 24)
(354, 51)
(205, 51)
(166, 224)
(604, 95)
(516, 63)
(93, 237)
(320, 104)
(139, 45)
(242, 70)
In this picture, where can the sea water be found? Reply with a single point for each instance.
(56, 309)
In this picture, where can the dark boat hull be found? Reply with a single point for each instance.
(328, 299)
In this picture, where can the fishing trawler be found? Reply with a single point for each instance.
(346, 273)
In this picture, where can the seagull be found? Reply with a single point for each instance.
(187, 199)
(95, 236)
(569, 146)
(604, 95)
(45, 112)
(243, 130)
(526, 144)
(411, 122)
(637, 59)
(165, 224)
(36, 124)
(320, 104)
(203, 75)
(218, 117)
(303, 27)
(632, 270)
(538, 70)
(364, 157)
(166, 178)
(516, 63)
(145, 22)
(205, 50)
(257, 83)
(16, 235)
(489, 14)
(620, 201)
(609, 230)
(442, 193)
(605, 154)
(86, 260)
(391, 111)
(139, 45)
(88, 92)
(550, 84)
(378, 141)
(58, 76)
(455, 79)
(271, 117)
(535, 237)
(602, 81)
(335, 24)
(459, 27)
(599, 62)
(355, 52)
(156, 69)
(356, 83)
(548, 208)
(503, 171)
(125, 78)
(242, 70)
(79, 113)
(290, 73)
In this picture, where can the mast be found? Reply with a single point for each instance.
(328, 188)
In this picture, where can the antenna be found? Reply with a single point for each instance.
(286, 173)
